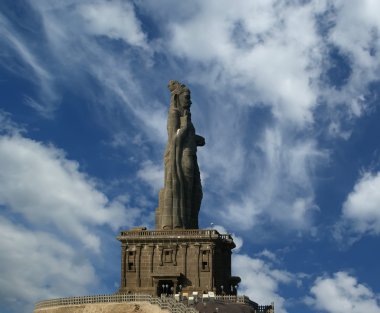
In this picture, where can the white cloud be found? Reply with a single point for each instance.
(269, 49)
(342, 293)
(49, 190)
(151, 174)
(272, 53)
(268, 254)
(50, 213)
(37, 265)
(244, 213)
(261, 281)
(114, 19)
(355, 35)
(360, 212)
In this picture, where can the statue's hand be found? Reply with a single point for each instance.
(180, 131)
(200, 141)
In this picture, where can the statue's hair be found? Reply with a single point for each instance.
(176, 87)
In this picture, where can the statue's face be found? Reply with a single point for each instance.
(171, 85)
(184, 99)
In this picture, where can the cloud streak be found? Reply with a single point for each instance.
(33, 69)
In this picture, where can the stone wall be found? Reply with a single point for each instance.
(135, 307)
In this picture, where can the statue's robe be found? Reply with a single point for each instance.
(180, 199)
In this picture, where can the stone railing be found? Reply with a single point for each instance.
(265, 308)
(237, 299)
(245, 300)
(173, 306)
(198, 233)
(164, 303)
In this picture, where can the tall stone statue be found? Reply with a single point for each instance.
(180, 199)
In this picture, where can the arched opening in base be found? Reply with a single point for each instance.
(165, 287)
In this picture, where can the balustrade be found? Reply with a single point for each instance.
(168, 303)
(164, 303)
(198, 233)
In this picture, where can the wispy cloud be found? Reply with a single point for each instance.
(8, 126)
(121, 92)
(274, 176)
(33, 69)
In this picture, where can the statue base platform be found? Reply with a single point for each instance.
(172, 261)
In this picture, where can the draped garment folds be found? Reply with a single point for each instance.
(180, 199)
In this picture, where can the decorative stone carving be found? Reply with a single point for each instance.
(180, 199)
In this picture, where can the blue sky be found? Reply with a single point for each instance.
(286, 94)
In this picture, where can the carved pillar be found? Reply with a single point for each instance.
(175, 249)
(151, 260)
(151, 257)
(198, 252)
(138, 265)
(123, 280)
(184, 255)
(160, 254)
(211, 260)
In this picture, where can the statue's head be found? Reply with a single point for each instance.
(173, 85)
(181, 94)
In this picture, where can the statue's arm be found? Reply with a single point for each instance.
(200, 140)
(173, 123)
(183, 126)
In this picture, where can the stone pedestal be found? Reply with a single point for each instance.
(172, 261)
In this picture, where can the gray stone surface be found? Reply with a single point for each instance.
(180, 199)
